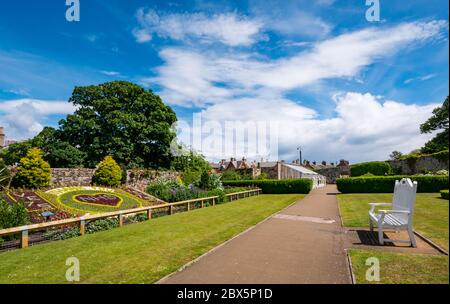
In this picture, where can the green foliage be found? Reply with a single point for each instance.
(262, 176)
(439, 121)
(59, 154)
(57, 234)
(378, 168)
(171, 191)
(190, 161)
(209, 181)
(395, 155)
(284, 186)
(102, 225)
(385, 184)
(33, 172)
(123, 120)
(15, 152)
(12, 215)
(444, 194)
(108, 173)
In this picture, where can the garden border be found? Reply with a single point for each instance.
(24, 230)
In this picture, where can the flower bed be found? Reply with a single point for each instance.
(82, 200)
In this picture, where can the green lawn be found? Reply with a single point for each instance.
(430, 214)
(140, 253)
(398, 268)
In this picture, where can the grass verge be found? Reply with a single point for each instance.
(399, 268)
(430, 213)
(140, 253)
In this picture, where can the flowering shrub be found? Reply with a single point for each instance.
(108, 173)
(33, 172)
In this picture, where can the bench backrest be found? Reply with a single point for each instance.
(404, 195)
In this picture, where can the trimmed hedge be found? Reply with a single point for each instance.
(378, 168)
(270, 186)
(385, 184)
(444, 194)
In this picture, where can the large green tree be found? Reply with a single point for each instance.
(438, 122)
(120, 119)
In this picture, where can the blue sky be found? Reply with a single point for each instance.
(342, 87)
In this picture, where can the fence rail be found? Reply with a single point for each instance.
(24, 230)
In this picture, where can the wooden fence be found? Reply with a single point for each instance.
(212, 200)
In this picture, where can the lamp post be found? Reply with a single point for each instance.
(300, 154)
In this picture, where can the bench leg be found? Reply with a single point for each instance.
(412, 238)
(380, 235)
(371, 225)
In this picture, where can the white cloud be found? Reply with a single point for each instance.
(228, 28)
(420, 78)
(24, 118)
(110, 73)
(365, 127)
(191, 77)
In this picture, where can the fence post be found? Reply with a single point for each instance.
(24, 239)
(203, 203)
(120, 220)
(214, 201)
(82, 226)
(149, 214)
(188, 206)
(170, 209)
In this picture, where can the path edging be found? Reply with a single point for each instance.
(431, 243)
(350, 266)
(220, 245)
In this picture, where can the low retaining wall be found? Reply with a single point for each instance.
(422, 164)
(137, 178)
(66, 177)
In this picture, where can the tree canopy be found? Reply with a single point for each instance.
(438, 121)
(123, 120)
(117, 118)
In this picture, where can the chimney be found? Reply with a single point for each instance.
(314, 163)
(324, 163)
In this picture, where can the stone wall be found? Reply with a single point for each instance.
(330, 173)
(421, 164)
(140, 178)
(65, 177)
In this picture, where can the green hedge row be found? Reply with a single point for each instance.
(269, 186)
(444, 194)
(385, 184)
(378, 168)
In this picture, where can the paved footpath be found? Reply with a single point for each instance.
(300, 244)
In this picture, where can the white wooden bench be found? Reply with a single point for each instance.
(400, 217)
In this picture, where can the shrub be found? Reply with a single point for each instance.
(102, 225)
(300, 185)
(385, 184)
(108, 173)
(444, 194)
(12, 215)
(378, 168)
(33, 172)
(57, 234)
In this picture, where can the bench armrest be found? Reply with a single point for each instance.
(394, 211)
(373, 205)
